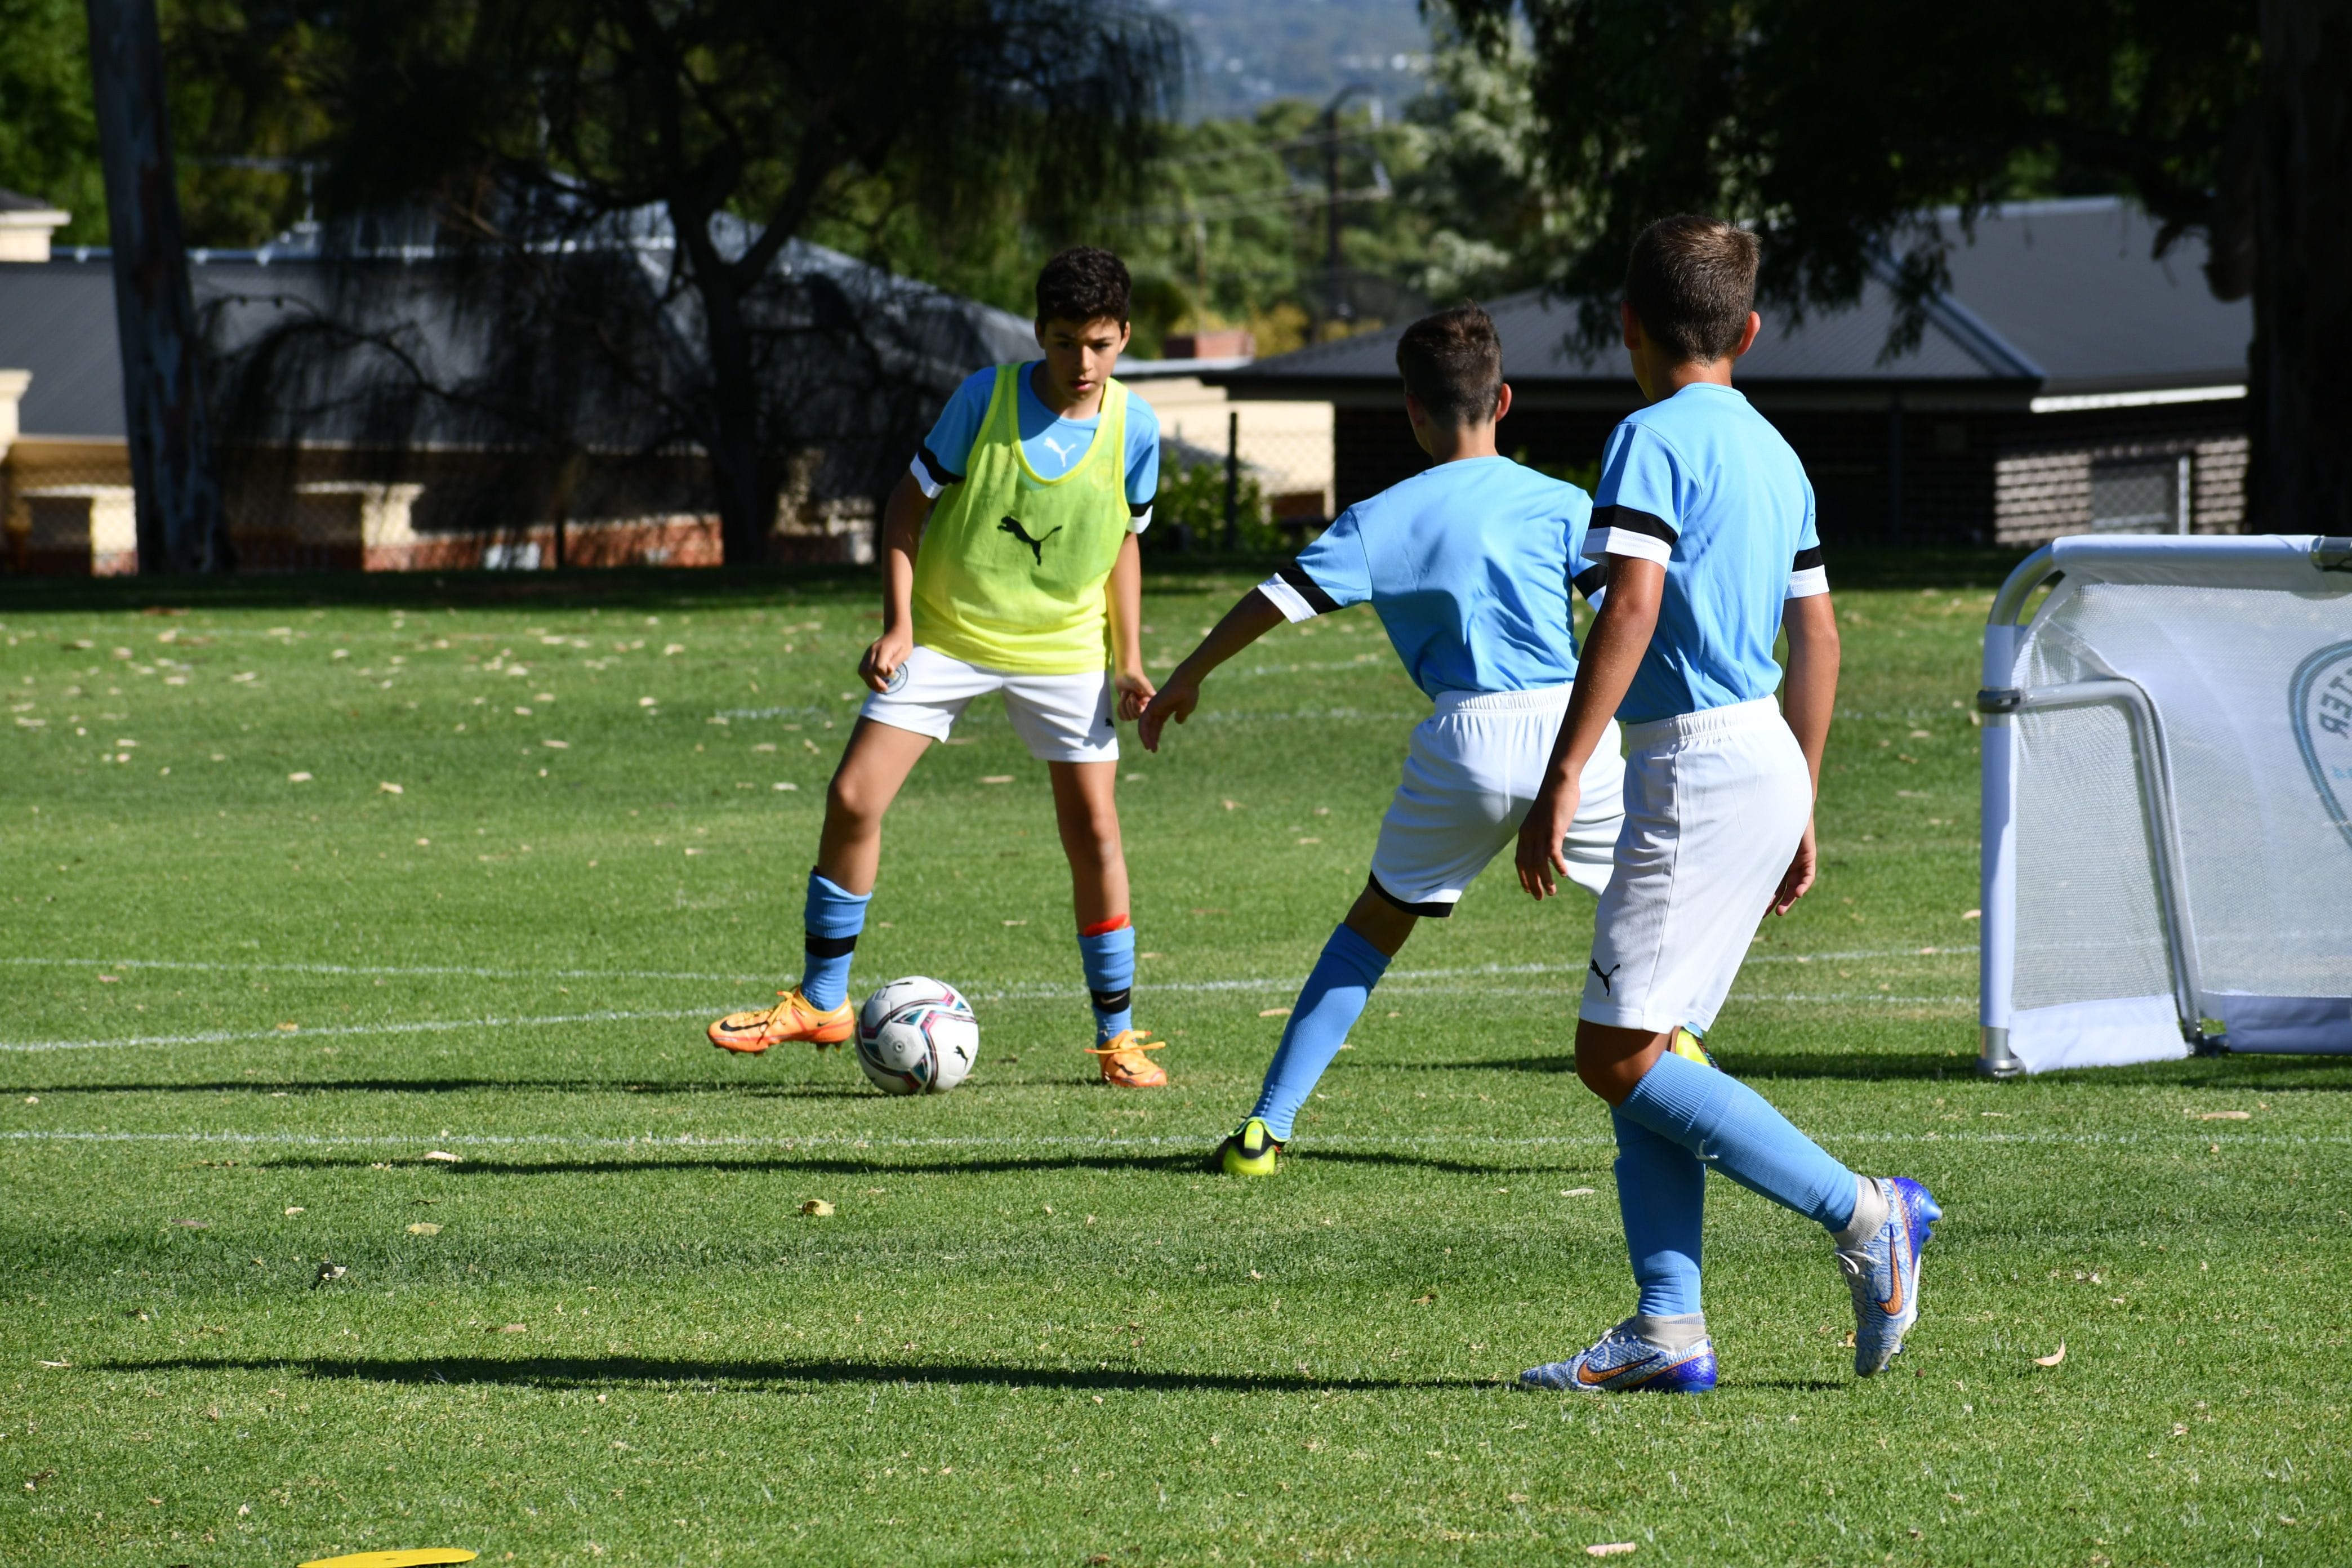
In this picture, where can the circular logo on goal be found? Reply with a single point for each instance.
(2321, 698)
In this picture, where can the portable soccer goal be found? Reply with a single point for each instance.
(2168, 802)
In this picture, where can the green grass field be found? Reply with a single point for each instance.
(298, 892)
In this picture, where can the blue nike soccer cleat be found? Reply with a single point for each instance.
(1883, 1274)
(1624, 1363)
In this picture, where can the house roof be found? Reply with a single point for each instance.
(2047, 299)
(57, 317)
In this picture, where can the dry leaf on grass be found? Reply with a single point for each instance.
(2053, 1357)
(1273, 1012)
(1610, 1549)
(818, 1207)
(298, 778)
(191, 1224)
(509, 1329)
(423, 1227)
(445, 1157)
(1577, 1193)
(389, 789)
(56, 1365)
(2224, 1115)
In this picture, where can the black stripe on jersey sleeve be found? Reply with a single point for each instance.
(1590, 582)
(1307, 588)
(1137, 507)
(1633, 520)
(1807, 560)
(937, 469)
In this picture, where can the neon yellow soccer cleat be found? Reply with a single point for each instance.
(1691, 1048)
(1252, 1151)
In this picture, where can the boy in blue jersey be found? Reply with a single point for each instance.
(1705, 520)
(1468, 564)
(1011, 566)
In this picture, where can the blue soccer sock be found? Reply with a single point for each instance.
(1107, 951)
(1730, 1126)
(832, 918)
(1662, 1196)
(1328, 1006)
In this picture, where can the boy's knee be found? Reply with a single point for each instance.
(853, 800)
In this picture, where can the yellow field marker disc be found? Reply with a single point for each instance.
(394, 1559)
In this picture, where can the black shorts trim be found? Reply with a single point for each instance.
(1590, 582)
(1433, 910)
(828, 946)
(1807, 560)
(1307, 588)
(1635, 521)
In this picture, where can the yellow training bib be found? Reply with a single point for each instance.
(1012, 568)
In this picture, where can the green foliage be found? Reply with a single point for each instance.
(48, 136)
(1838, 123)
(1193, 497)
(1316, 1364)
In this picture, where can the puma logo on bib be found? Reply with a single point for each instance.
(1011, 525)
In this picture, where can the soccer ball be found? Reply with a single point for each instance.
(917, 1036)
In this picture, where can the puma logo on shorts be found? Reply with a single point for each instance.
(1594, 965)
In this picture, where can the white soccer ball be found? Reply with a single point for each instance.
(917, 1036)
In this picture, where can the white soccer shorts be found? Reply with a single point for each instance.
(1716, 805)
(1060, 717)
(1469, 778)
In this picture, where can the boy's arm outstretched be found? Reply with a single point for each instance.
(1251, 619)
(1807, 701)
(902, 535)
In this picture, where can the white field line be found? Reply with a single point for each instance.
(1172, 1141)
(444, 1025)
(1408, 981)
(423, 1026)
(481, 973)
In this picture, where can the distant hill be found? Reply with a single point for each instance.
(1248, 51)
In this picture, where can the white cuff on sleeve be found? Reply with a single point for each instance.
(1138, 521)
(1603, 542)
(1287, 599)
(923, 480)
(1813, 579)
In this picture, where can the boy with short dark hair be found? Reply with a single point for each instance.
(1023, 579)
(1468, 564)
(1705, 520)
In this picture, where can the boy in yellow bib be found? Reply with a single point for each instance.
(1011, 565)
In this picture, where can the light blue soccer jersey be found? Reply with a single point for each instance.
(1052, 444)
(1467, 565)
(1703, 483)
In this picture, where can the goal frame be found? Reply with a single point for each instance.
(2002, 698)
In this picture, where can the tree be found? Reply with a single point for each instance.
(526, 126)
(49, 137)
(1838, 125)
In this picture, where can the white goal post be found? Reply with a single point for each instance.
(2168, 802)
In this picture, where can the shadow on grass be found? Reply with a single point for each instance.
(592, 1371)
(1928, 1065)
(1181, 1161)
(462, 1086)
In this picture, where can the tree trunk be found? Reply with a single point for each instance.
(746, 486)
(181, 526)
(2303, 271)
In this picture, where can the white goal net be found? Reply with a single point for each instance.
(2168, 802)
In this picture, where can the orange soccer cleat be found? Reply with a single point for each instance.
(793, 1018)
(1124, 1064)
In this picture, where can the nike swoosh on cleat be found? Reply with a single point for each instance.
(1893, 1305)
(1584, 1372)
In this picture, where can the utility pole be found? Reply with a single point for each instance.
(1336, 306)
(181, 526)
